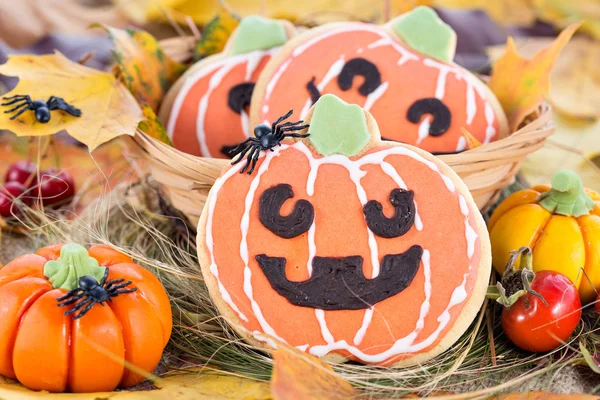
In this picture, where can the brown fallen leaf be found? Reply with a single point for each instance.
(301, 376)
(522, 84)
(107, 109)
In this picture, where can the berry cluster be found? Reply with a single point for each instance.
(54, 188)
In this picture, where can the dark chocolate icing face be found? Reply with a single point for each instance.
(238, 99)
(435, 107)
(339, 283)
(361, 67)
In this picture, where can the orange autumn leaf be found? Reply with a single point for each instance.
(472, 141)
(522, 84)
(145, 69)
(298, 375)
(107, 109)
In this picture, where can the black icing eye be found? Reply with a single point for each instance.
(400, 223)
(239, 96)
(313, 90)
(441, 115)
(364, 68)
(290, 226)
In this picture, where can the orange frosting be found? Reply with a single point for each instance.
(203, 129)
(406, 76)
(340, 231)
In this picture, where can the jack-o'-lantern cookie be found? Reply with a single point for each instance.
(206, 111)
(401, 72)
(344, 245)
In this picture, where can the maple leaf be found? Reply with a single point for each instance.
(291, 369)
(107, 109)
(145, 69)
(215, 34)
(522, 84)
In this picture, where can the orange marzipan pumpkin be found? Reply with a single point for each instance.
(45, 349)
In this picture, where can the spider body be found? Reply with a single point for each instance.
(265, 138)
(90, 292)
(41, 108)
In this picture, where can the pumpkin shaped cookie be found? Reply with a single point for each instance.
(205, 112)
(344, 245)
(401, 72)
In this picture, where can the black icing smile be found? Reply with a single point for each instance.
(339, 283)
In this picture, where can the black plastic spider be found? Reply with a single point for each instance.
(42, 108)
(93, 293)
(265, 139)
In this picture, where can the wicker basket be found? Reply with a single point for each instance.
(486, 170)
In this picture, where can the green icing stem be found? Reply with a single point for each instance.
(74, 263)
(567, 196)
(337, 127)
(424, 31)
(258, 33)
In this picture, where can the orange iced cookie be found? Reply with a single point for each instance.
(206, 111)
(401, 72)
(343, 245)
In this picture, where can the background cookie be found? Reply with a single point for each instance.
(205, 112)
(401, 72)
(345, 246)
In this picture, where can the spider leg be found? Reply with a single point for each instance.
(282, 118)
(18, 106)
(85, 310)
(19, 113)
(124, 291)
(296, 135)
(71, 301)
(241, 155)
(295, 128)
(121, 286)
(50, 99)
(249, 158)
(289, 126)
(59, 104)
(72, 293)
(105, 277)
(254, 159)
(79, 306)
(237, 149)
(16, 98)
(113, 282)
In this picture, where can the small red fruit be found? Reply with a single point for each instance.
(21, 171)
(544, 310)
(57, 187)
(9, 193)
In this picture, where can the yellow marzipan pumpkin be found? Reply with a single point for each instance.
(561, 223)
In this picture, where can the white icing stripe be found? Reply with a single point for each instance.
(375, 95)
(471, 103)
(490, 131)
(320, 314)
(275, 79)
(423, 131)
(462, 144)
(405, 54)
(332, 72)
(360, 334)
(403, 345)
(209, 239)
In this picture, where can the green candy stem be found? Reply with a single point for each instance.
(567, 196)
(74, 263)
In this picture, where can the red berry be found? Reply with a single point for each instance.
(8, 194)
(21, 172)
(57, 187)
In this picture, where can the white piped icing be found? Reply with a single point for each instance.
(375, 95)
(406, 344)
(360, 334)
(471, 103)
(490, 131)
(331, 74)
(462, 144)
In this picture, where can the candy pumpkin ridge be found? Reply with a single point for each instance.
(567, 195)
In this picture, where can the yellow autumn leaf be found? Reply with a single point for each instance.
(561, 12)
(215, 34)
(521, 84)
(152, 126)
(107, 109)
(145, 69)
(472, 141)
(298, 375)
